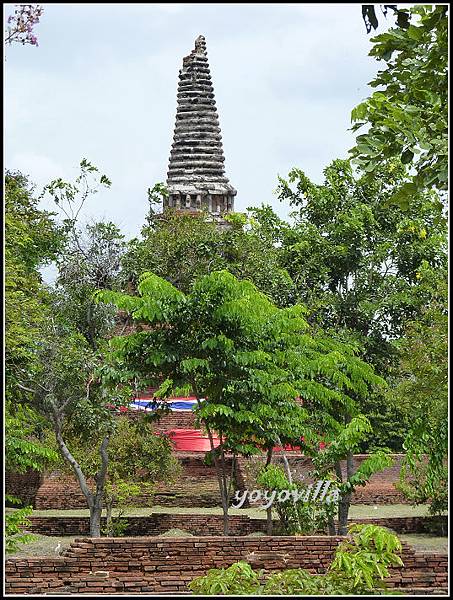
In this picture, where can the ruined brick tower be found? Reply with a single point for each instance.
(196, 174)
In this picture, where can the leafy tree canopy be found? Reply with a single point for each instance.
(356, 262)
(407, 115)
(183, 248)
(246, 358)
(90, 261)
(358, 266)
(32, 239)
(422, 388)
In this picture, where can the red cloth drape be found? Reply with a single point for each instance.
(194, 440)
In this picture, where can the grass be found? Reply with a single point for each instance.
(425, 542)
(44, 545)
(359, 511)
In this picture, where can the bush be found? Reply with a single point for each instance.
(306, 515)
(14, 523)
(176, 533)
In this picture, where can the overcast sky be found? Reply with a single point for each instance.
(102, 85)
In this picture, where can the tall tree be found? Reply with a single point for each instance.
(32, 240)
(407, 117)
(90, 262)
(422, 388)
(138, 458)
(356, 263)
(52, 368)
(245, 360)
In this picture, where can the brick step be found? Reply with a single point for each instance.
(420, 591)
(411, 578)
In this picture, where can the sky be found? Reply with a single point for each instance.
(102, 85)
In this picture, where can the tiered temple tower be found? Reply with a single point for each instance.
(196, 178)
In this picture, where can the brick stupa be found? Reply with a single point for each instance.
(196, 178)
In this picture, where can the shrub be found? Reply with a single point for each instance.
(306, 515)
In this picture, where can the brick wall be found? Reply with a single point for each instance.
(152, 525)
(380, 489)
(159, 565)
(433, 525)
(204, 525)
(176, 420)
(197, 485)
(24, 485)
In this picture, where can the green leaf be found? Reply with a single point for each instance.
(407, 156)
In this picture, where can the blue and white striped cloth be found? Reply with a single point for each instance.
(177, 404)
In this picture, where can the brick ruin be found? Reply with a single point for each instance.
(205, 525)
(197, 486)
(163, 565)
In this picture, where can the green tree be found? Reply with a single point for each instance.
(71, 395)
(407, 116)
(345, 438)
(91, 262)
(301, 512)
(356, 264)
(32, 240)
(24, 446)
(422, 388)
(51, 369)
(244, 359)
(138, 459)
(182, 248)
(66, 389)
(14, 524)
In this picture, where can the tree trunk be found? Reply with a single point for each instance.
(339, 475)
(225, 506)
(345, 500)
(108, 517)
(331, 525)
(289, 476)
(343, 511)
(95, 519)
(221, 480)
(94, 501)
(269, 524)
(101, 475)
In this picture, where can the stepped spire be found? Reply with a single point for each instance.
(196, 174)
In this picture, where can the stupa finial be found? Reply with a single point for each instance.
(200, 45)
